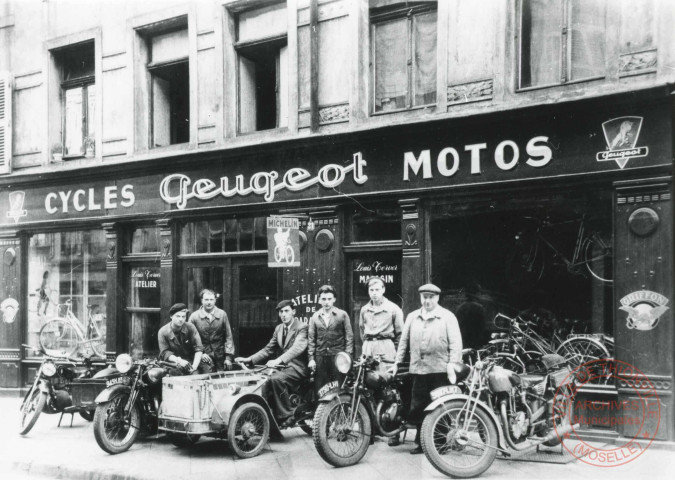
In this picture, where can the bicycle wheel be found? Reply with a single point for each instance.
(598, 257)
(582, 350)
(58, 338)
(290, 255)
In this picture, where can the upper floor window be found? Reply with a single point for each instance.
(262, 63)
(169, 69)
(561, 41)
(75, 65)
(403, 54)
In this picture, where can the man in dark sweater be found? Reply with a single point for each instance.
(330, 332)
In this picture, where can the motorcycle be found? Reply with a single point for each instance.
(130, 402)
(367, 403)
(57, 380)
(236, 406)
(489, 409)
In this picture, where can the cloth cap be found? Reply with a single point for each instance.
(285, 303)
(430, 288)
(178, 307)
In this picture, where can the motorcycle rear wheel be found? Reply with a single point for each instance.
(31, 408)
(451, 454)
(339, 443)
(112, 433)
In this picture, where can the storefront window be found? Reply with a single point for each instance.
(551, 263)
(67, 278)
(221, 236)
(143, 305)
(375, 224)
(145, 240)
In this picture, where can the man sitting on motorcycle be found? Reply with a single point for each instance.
(179, 342)
(287, 351)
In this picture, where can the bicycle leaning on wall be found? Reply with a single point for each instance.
(64, 335)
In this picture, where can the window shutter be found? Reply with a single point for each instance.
(5, 124)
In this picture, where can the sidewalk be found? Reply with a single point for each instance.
(72, 453)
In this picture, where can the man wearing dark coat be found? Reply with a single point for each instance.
(286, 350)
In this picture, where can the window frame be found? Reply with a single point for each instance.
(565, 60)
(83, 83)
(380, 16)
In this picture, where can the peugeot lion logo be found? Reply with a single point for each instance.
(16, 210)
(621, 135)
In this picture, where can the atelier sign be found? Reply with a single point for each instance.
(145, 279)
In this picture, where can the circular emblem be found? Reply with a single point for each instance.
(324, 240)
(9, 257)
(643, 221)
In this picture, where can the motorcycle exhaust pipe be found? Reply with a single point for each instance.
(560, 433)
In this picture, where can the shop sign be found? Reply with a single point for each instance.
(306, 306)
(178, 188)
(90, 199)
(622, 135)
(388, 272)
(644, 309)
(283, 242)
(145, 279)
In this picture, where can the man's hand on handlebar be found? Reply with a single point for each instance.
(206, 359)
(274, 363)
(242, 359)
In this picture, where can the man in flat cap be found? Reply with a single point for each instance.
(432, 337)
(286, 350)
(179, 342)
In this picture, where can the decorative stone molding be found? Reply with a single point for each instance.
(111, 244)
(637, 63)
(334, 114)
(9, 354)
(410, 226)
(470, 92)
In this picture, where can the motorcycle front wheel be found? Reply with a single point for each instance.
(113, 433)
(249, 430)
(340, 440)
(31, 408)
(456, 449)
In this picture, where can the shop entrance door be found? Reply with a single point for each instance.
(248, 291)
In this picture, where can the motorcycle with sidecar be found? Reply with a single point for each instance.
(229, 405)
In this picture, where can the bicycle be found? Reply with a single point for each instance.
(534, 250)
(65, 335)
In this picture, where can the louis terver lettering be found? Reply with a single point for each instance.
(179, 188)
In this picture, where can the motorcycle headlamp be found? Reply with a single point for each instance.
(343, 362)
(123, 362)
(48, 369)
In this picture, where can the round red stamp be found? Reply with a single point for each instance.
(635, 413)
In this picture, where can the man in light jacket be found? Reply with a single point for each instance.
(432, 337)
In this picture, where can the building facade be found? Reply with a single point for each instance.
(522, 152)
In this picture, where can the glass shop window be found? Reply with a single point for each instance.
(145, 240)
(375, 224)
(143, 310)
(224, 236)
(66, 268)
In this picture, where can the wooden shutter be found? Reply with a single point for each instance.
(5, 124)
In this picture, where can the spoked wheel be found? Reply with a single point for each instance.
(183, 441)
(580, 351)
(341, 437)
(456, 447)
(598, 257)
(115, 433)
(249, 430)
(31, 408)
(58, 338)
